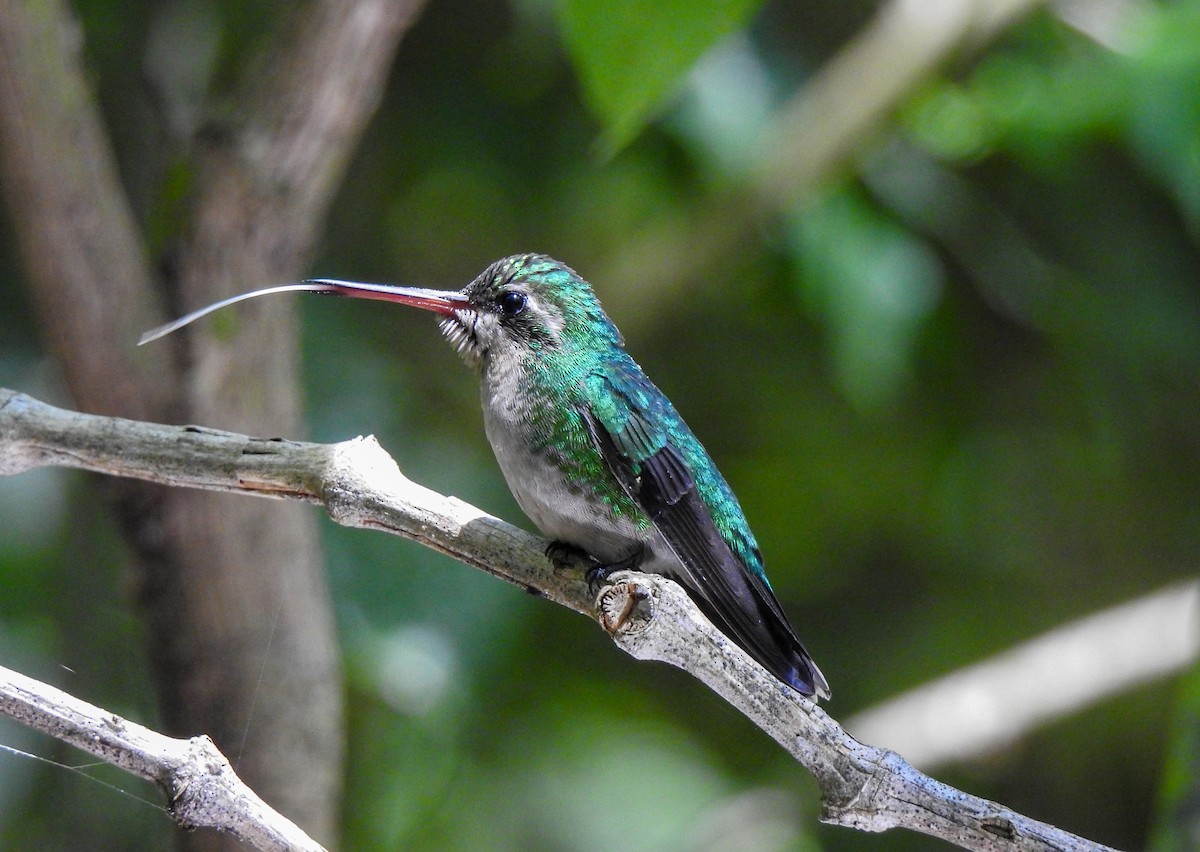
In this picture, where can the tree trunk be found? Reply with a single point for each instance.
(241, 632)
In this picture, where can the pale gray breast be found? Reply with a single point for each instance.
(563, 511)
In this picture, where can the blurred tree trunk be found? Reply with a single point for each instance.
(240, 625)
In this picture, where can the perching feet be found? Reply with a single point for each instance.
(594, 571)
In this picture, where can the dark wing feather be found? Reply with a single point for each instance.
(635, 443)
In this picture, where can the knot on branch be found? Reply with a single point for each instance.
(195, 783)
(625, 606)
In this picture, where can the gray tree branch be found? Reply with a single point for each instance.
(201, 788)
(359, 485)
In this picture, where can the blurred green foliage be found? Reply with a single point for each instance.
(956, 391)
(629, 61)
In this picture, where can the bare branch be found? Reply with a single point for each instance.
(982, 707)
(357, 481)
(201, 787)
(862, 786)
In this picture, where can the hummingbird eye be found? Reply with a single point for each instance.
(511, 303)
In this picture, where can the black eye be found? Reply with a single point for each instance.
(511, 303)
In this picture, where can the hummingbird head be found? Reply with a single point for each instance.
(524, 306)
(527, 306)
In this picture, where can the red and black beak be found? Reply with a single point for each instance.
(444, 302)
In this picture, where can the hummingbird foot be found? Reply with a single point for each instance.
(594, 571)
(597, 575)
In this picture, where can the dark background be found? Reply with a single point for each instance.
(955, 384)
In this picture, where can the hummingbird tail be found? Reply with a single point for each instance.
(806, 678)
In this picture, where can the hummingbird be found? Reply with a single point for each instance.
(593, 451)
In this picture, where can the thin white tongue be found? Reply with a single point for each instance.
(174, 325)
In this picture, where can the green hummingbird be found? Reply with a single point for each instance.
(594, 453)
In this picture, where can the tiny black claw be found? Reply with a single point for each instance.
(597, 575)
(595, 572)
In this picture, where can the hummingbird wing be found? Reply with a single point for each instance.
(653, 454)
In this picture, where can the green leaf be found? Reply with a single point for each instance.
(630, 55)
